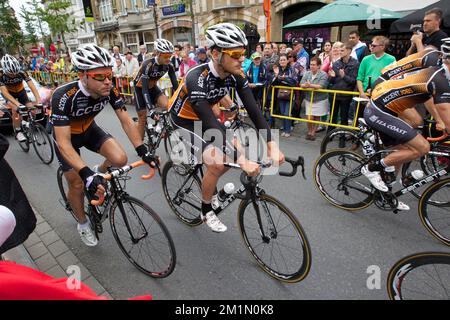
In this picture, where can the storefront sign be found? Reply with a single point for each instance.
(173, 10)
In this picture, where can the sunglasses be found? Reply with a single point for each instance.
(235, 54)
(165, 55)
(375, 45)
(100, 76)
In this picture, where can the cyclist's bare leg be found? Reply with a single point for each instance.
(411, 116)
(75, 194)
(162, 101)
(16, 118)
(142, 120)
(213, 159)
(415, 149)
(114, 155)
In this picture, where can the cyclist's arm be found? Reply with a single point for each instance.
(429, 105)
(173, 77)
(444, 112)
(34, 90)
(129, 127)
(63, 139)
(8, 96)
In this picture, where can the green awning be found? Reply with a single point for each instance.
(343, 11)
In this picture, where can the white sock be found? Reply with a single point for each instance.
(84, 225)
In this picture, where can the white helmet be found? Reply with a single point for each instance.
(164, 46)
(10, 64)
(225, 35)
(91, 56)
(445, 48)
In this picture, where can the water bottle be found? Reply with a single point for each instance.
(150, 127)
(25, 124)
(389, 176)
(367, 145)
(159, 127)
(225, 191)
(412, 177)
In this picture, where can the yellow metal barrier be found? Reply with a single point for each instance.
(48, 78)
(334, 92)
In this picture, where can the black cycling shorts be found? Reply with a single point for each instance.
(155, 92)
(393, 130)
(21, 96)
(92, 139)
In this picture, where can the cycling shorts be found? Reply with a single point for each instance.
(92, 139)
(141, 105)
(393, 130)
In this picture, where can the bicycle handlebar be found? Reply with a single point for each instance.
(438, 139)
(295, 164)
(121, 171)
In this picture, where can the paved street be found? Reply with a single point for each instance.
(218, 266)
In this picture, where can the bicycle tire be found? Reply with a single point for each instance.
(40, 138)
(342, 175)
(190, 217)
(406, 268)
(288, 221)
(428, 209)
(25, 145)
(159, 241)
(334, 135)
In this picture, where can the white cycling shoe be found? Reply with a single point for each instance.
(87, 236)
(213, 222)
(21, 137)
(375, 179)
(403, 206)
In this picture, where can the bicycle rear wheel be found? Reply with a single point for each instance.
(339, 180)
(142, 237)
(421, 276)
(333, 137)
(42, 143)
(183, 193)
(434, 210)
(283, 252)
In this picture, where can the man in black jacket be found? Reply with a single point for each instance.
(343, 78)
(257, 76)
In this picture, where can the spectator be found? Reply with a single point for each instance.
(269, 57)
(116, 54)
(371, 66)
(302, 56)
(131, 65)
(343, 78)
(142, 54)
(275, 49)
(335, 55)
(325, 56)
(246, 64)
(257, 76)
(186, 64)
(284, 75)
(433, 34)
(176, 60)
(283, 48)
(119, 70)
(259, 48)
(201, 57)
(315, 79)
(359, 50)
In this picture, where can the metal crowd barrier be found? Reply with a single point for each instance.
(313, 91)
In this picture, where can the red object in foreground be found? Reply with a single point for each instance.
(18, 282)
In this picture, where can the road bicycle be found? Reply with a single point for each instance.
(270, 231)
(35, 133)
(421, 276)
(338, 178)
(138, 230)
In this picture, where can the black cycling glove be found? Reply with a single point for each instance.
(146, 156)
(91, 180)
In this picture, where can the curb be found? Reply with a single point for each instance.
(45, 251)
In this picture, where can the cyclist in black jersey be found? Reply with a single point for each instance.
(204, 86)
(147, 94)
(74, 107)
(13, 90)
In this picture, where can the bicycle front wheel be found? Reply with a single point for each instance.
(338, 178)
(42, 143)
(434, 210)
(341, 136)
(277, 241)
(142, 237)
(421, 276)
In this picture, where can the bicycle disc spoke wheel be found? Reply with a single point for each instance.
(434, 210)
(422, 276)
(283, 252)
(183, 195)
(143, 237)
(338, 136)
(42, 144)
(338, 178)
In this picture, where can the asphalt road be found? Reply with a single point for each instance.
(218, 266)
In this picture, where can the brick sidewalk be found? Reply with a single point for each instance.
(44, 250)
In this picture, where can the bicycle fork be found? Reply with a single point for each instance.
(272, 229)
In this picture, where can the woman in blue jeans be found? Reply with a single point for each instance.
(284, 75)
